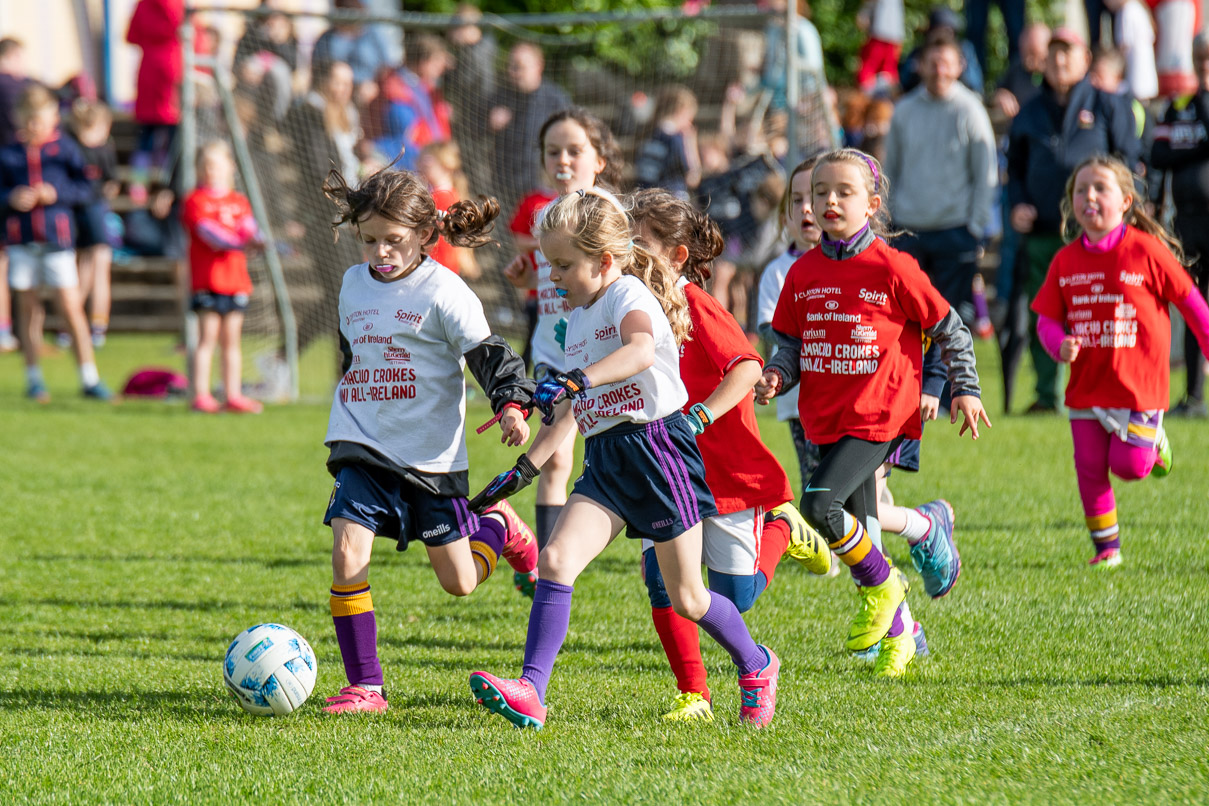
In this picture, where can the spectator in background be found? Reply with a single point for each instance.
(943, 172)
(90, 124)
(809, 51)
(441, 166)
(878, 119)
(1022, 81)
(976, 27)
(669, 158)
(41, 179)
(155, 28)
(266, 58)
(1134, 36)
(942, 18)
(469, 85)
(362, 47)
(518, 110)
(13, 82)
(1181, 148)
(882, 22)
(323, 131)
(410, 111)
(1067, 122)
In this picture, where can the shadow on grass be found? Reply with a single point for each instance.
(1150, 681)
(186, 605)
(158, 654)
(121, 704)
(174, 559)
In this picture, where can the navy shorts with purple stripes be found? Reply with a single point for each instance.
(390, 507)
(649, 474)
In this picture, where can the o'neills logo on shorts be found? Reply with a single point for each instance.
(437, 532)
(409, 318)
(396, 355)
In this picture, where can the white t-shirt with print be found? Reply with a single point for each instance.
(550, 308)
(595, 332)
(771, 283)
(405, 394)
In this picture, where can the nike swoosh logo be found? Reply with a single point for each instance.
(810, 489)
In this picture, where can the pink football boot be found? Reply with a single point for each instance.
(514, 700)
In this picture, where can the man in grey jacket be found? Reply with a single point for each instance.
(943, 172)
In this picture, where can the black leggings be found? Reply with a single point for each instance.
(845, 480)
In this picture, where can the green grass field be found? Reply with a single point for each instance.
(138, 539)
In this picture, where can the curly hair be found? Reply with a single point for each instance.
(599, 136)
(597, 222)
(674, 222)
(403, 197)
(1135, 215)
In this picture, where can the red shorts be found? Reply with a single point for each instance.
(878, 58)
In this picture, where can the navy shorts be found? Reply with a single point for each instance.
(219, 303)
(390, 507)
(91, 226)
(905, 456)
(649, 474)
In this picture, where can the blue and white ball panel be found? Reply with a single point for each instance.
(270, 669)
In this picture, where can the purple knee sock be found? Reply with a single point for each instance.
(724, 624)
(548, 621)
(896, 626)
(357, 636)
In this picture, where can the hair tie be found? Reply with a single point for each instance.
(873, 168)
(631, 244)
(581, 193)
(441, 215)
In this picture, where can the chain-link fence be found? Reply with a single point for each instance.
(464, 109)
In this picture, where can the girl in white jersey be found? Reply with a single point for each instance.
(578, 152)
(642, 469)
(408, 329)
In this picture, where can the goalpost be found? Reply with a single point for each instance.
(287, 133)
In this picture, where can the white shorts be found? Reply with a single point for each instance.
(730, 544)
(37, 265)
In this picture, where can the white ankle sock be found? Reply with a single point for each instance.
(89, 377)
(917, 526)
(33, 375)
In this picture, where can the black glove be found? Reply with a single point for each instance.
(550, 393)
(505, 484)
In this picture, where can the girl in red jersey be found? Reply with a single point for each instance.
(220, 224)
(755, 524)
(578, 152)
(1103, 310)
(852, 316)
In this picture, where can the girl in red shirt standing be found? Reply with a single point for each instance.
(756, 522)
(1103, 310)
(221, 226)
(851, 321)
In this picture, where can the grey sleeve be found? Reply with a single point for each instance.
(956, 347)
(786, 360)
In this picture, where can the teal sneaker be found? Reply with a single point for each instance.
(935, 557)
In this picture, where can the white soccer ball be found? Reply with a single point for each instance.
(270, 669)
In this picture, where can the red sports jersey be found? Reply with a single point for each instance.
(1117, 302)
(526, 218)
(222, 271)
(443, 252)
(860, 321)
(740, 470)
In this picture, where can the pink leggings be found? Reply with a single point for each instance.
(1096, 453)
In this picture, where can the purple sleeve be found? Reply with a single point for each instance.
(216, 236)
(1196, 315)
(1051, 334)
(249, 232)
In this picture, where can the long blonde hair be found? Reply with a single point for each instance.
(597, 222)
(1135, 215)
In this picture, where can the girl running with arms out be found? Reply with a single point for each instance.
(578, 152)
(408, 329)
(850, 324)
(756, 522)
(642, 469)
(1103, 310)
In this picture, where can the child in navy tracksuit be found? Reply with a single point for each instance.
(42, 177)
